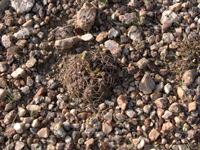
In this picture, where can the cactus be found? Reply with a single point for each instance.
(91, 76)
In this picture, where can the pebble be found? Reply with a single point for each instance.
(22, 34)
(161, 102)
(142, 63)
(192, 106)
(8, 107)
(89, 132)
(66, 43)
(19, 127)
(3, 82)
(167, 88)
(101, 37)
(35, 123)
(3, 5)
(106, 128)
(57, 129)
(29, 81)
(135, 34)
(19, 145)
(147, 109)
(130, 113)
(6, 41)
(141, 144)
(167, 114)
(168, 17)
(3, 94)
(89, 142)
(87, 37)
(66, 125)
(43, 133)
(113, 33)
(86, 16)
(108, 116)
(122, 101)
(147, 85)
(19, 72)
(25, 89)
(128, 17)
(31, 62)
(34, 108)
(21, 6)
(21, 112)
(36, 146)
(167, 38)
(114, 47)
(153, 135)
(168, 127)
(10, 132)
(188, 77)
(9, 117)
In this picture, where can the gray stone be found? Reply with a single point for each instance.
(9, 117)
(66, 43)
(135, 34)
(147, 84)
(6, 41)
(3, 94)
(168, 38)
(3, 5)
(19, 72)
(8, 107)
(113, 33)
(22, 6)
(86, 16)
(31, 62)
(25, 89)
(122, 101)
(22, 34)
(57, 129)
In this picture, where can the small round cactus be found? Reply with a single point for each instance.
(91, 76)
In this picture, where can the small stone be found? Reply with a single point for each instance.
(142, 63)
(123, 39)
(106, 128)
(135, 34)
(168, 38)
(22, 34)
(188, 77)
(160, 112)
(147, 84)
(141, 144)
(19, 127)
(167, 88)
(28, 23)
(86, 16)
(57, 129)
(154, 134)
(87, 37)
(130, 113)
(40, 92)
(10, 132)
(191, 134)
(149, 6)
(82, 115)
(36, 146)
(75, 135)
(120, 116)
(181, 93)
(22, 6)
(3, 94)
(108, 116)
(66, 43)
(159, 87)
(25, 89)
(3, 83)
(147, 109)
(6, 41)
(66, 125)
(113, 33)
(29, 81)
(21, 43)
(122, 101)
(43, 133)
(17, 95)
(89, 132)
(167, 114)
(19, 145)
(128, 17)
(34, 108)
(101, 36)
(9, 117)
(175, 107)
(161, 102)
(35, 123)
(114, 47)
(21, 112)
(192, 106)
(8, 107)
(175, 7)
(19, 72)
(167, 127)
(3, 5)
(31, 62)
(168, 17)
(89, 142)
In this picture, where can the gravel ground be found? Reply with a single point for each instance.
(154, 101)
